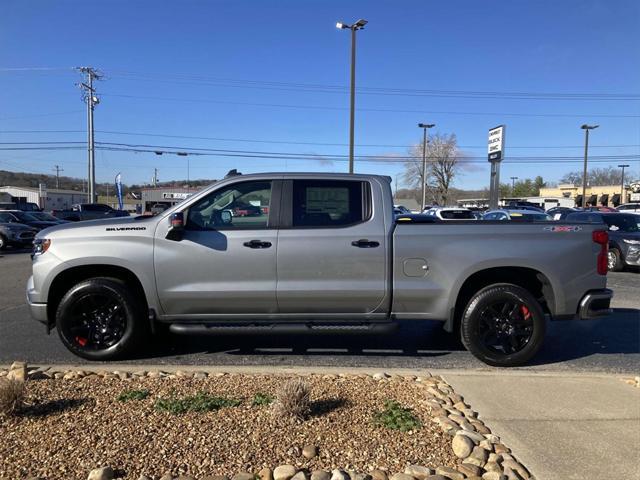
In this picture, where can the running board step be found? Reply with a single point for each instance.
(282, 328)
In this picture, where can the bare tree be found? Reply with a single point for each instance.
(443, 158)
(595, 177)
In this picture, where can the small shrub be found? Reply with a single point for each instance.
(201, 402)
(128, 395)
(260, 399)
(396, 417)
(11, 395)
(293, 400)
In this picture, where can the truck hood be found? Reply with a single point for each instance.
(77, 228)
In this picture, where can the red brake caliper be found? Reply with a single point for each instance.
(525, 312)
(81, 341)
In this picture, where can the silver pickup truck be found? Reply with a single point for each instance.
(291, 253)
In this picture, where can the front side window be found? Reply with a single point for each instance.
(327, 203)
(239, 206)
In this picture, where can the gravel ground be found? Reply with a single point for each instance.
(76, 425)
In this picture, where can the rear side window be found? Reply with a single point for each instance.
(457, 215)
(328, 203)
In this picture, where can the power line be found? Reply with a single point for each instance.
(325, 88)
(379, 110)
(291, 142)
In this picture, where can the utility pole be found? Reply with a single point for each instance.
(425, 140)
(359, 25)
(58, 170)
(89, 96)
(622, 183)
(154, 181)
(513, 184)
(586, 129)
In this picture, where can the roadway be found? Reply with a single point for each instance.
(609, 345)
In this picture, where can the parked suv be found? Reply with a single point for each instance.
(624, 236)
(14, 234)
(18, 216)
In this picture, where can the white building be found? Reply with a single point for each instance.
(54, 199)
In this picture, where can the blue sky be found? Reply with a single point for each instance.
(189, 69)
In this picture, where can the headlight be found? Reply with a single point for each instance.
(41, 245)
(631, 242)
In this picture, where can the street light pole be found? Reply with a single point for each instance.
(425, 139)
(622, 183)
(586, 129)
(359, 25)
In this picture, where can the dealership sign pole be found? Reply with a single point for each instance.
(495, 151)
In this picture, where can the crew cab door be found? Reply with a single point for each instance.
(225, 262)
(332, 249)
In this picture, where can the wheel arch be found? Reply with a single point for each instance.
(73, 275)
(532, 280)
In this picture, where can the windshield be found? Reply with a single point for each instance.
(623, 223)
(457, 215)
(24, 217)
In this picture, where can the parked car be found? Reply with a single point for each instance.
(18, 216)
(600, 208)
(517, 215)
(401, 210)
(624, 236)
(15, 235)
(560, 213)
(158, 208)
(24, 206)
(522, 205)
(329, 256)
(89, 211)
(629, 208)
(47, 217)
(451, 213)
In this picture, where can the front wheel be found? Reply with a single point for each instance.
(98, 319)
(3, 242)
(503, 325)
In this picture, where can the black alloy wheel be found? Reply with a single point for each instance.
(99, 319)
(503, 325)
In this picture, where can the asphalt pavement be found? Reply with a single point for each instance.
(608, 345)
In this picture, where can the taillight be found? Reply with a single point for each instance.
(601, 237)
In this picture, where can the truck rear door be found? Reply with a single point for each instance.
(332, 249)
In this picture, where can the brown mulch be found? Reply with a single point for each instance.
(73, 426)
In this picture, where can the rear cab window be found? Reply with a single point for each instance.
(329, 203)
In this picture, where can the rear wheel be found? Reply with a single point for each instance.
(98, 319)
(3, 242)
(614, 260)
(503, 325)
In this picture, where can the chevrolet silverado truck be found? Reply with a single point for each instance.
(328, 256)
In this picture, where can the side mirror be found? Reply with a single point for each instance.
(176, 226)
(225, 217)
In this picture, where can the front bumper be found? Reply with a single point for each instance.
(38, 310)
(595, 304)
(632, 256)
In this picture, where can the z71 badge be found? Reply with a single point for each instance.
(563, 228)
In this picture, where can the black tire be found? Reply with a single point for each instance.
(614, 260)
(503, 325)
(3, 242)
(99, 319)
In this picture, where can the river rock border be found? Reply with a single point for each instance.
(481, 454)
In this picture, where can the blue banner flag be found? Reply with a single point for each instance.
(119, 190)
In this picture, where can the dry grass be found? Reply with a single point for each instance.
(11, 395)
(293, 400)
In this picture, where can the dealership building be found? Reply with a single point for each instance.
(48, 199)
(166, 196)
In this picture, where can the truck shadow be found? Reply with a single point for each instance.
(565, 341)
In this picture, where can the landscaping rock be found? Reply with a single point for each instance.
(381, 376)
(104, 473)
(401, 476)
(321, 475)
(241, 476)
(513, 465)
(475, 436)
(18, 371)
(310, 451)
(462, 446)
(450, 473)
(285, 472)
(301, 475)
(360, 476)
(339, 475)
(436, 477)
(418, 471)
(500, 448)
(267, 474)
(479, 457)
(493, 476)
(469, 469)
(379, 475)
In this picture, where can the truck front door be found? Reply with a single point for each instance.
(332, 249)
(226, 261)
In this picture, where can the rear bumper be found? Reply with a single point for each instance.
(595, 304)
